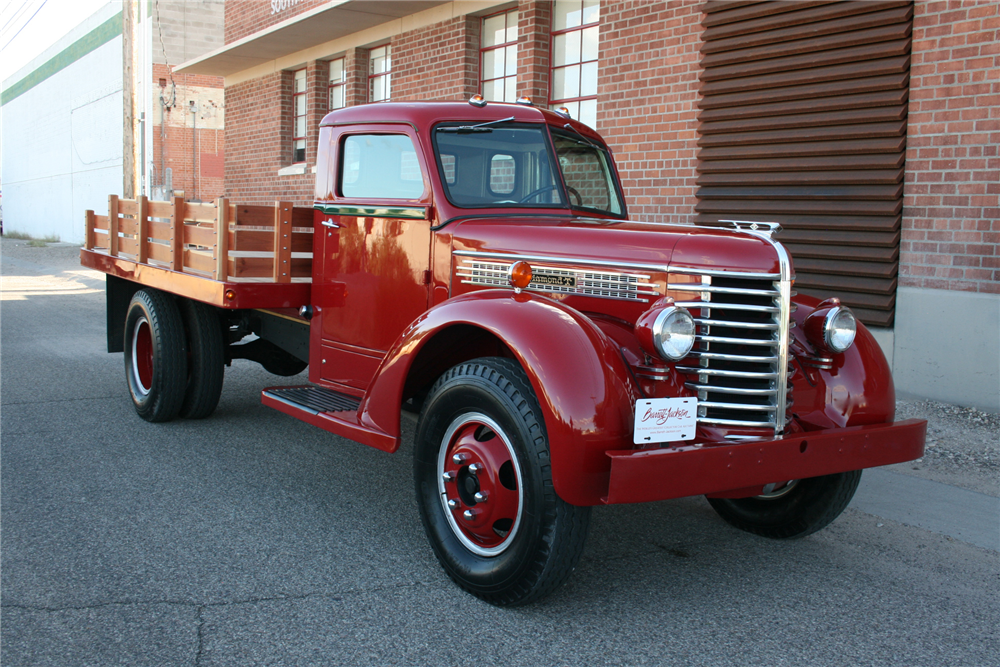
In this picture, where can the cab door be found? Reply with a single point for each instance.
(371, 276)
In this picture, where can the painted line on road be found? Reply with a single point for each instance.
(964, 515)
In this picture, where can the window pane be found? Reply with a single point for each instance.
(495, 30)
(337, 71)
(511, 59)
(300, 81)
(300, 105)
(380, 167)
(502, 174)
(490, 90)
(567, 14)
(590, 37)
(588, 112)
(510, 92)
(588, 79)
(300, 126)
(591, 11)
(566, 48)
(512, 26)
(337, 97)
(566, 82)
(448, 164)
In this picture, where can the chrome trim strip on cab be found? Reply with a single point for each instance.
(403, 212)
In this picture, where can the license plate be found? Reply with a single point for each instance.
(664, 420)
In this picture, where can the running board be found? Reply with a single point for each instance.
(329, 410)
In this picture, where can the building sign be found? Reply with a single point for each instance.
(282, 5)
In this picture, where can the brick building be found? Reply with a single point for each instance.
(869, 130)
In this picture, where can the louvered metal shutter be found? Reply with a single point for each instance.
(803, 122)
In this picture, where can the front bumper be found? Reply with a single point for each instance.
(720, 468)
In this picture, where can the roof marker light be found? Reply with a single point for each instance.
(564, 112)
(477, 100)
(524, 99)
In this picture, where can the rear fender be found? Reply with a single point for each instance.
(583, 386)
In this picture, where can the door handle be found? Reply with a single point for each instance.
(330, 223)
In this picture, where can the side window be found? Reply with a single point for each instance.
(380, 166)
(502, 174)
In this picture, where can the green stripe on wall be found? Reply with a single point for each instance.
(94, 39)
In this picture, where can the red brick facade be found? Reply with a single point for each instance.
(951, 216)
(195, 156)
(647, 110)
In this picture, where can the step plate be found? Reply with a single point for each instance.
(314, 399)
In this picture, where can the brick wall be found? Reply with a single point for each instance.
(534, 25)
(951, 214)
(439, 62)
(195, 159)
(186, 29)
(245, 17)
(647, 103)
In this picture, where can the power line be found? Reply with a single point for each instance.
(25, 24)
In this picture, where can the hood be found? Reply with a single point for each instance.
(622, 244)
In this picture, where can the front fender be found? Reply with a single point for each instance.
(583, 387)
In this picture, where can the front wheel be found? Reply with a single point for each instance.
(792, 509)
(484, 486)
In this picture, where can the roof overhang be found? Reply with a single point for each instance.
(328, 22)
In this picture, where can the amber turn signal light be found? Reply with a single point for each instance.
(519, 275)
(230, 295)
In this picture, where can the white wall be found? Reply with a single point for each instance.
(62, 140)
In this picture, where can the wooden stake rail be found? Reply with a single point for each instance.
(222, 241)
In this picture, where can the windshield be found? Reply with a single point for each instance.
(486, 166)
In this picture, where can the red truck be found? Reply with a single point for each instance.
(474, 264)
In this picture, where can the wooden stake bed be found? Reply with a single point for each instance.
(228, 255)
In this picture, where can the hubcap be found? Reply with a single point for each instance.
(142, 356)
(479, 482)
(777, 490)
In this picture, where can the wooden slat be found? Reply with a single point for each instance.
(302, 217)
(795, 47)
(159, 230)
(142, 228)
(819, 178)
(222, 238)
(160, 209)
(893, 97)
(101, 223)
(113, 225)
(177, 234)
(128, 226)
(263, 267)
(90, 238)
(254, 216)
(195, 212)
(159, 252)
(870, 14)
(282, 242)
(128, 246)
(203, 236)
(800, 120)
(260, 241)
(128, 207)
(199, 260)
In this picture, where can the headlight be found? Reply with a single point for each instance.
(673, 333)
(839, 329)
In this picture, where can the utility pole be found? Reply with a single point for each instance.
(128, 100)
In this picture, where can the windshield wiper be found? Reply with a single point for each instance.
(586, 141)
(469, 129)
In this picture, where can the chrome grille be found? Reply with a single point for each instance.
(584, 282)
(741, 348)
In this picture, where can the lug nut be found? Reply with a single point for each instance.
(480, 497)
(460, 458)
(469, 515)
(453, 504)
(475, 468)
(448, 476)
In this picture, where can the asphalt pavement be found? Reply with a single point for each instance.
(251, 538)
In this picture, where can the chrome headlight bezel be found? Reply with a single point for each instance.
(840, 328)
(670, 343)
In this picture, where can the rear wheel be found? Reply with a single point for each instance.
(793, 509)
(206, 359)
(155, 355)
(484, 486)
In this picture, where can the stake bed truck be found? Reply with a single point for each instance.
(475, 264)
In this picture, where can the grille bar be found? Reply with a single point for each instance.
(583, 282)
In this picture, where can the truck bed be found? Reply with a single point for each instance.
(228, 255)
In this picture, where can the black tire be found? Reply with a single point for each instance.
(206, 359)
(799, 509)
(155, 355)
(522, 541)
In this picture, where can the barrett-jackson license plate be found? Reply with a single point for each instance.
(541, 278)
(665, 420)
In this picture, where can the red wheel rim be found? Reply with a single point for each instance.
(479, 479)
(142, 356)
